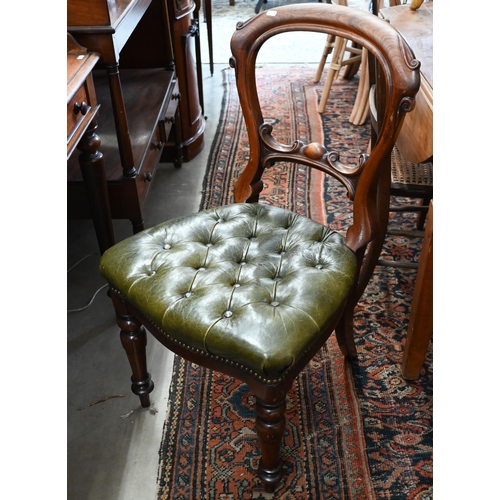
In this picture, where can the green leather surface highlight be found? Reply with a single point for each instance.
(252, 283)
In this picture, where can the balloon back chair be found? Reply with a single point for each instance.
(248, 289)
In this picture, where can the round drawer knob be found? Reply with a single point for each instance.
(81, 108)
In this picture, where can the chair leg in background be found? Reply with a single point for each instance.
(207, 12)
(361, 109)
(354, 62)
(134, 341)
(420, 324)
(333, 70)
(330, 43)
(259, 5)
(423, 215)
(344, 332)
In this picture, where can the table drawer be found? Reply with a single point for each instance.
(148, 168)
(170, 114)
(80, 110)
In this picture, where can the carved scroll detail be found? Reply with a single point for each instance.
(409, 56)
(407, 104)
(314, 155)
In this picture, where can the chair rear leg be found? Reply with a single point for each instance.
(270, 429)
(344, 332)
(134, 341)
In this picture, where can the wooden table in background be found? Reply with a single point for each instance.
(415, 142)
(415, 138)
(82, 111)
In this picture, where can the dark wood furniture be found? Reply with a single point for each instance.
(421, 316)
(141, 96)
(184, 31)
(206, 6)
(415, 143)
(82, 110)
(252, 290)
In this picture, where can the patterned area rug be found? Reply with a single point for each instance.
(353, 431)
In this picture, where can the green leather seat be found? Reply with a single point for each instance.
(250, 283)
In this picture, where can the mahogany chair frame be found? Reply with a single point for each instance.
(400, 77)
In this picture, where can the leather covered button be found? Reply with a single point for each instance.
(263, 334)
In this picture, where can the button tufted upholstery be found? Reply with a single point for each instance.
(251, 283)
(248, 289)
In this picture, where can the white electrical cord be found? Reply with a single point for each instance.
(95, 294)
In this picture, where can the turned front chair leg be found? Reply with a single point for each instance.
(270, 429)
(134, 341)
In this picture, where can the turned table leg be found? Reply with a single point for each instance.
(94, 177)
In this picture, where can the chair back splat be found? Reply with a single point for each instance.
(397, 64)
(252, 290)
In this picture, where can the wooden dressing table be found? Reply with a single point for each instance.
(137, 88)
(82, 111)
(149, 95)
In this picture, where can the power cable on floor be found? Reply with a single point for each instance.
(95, 294)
